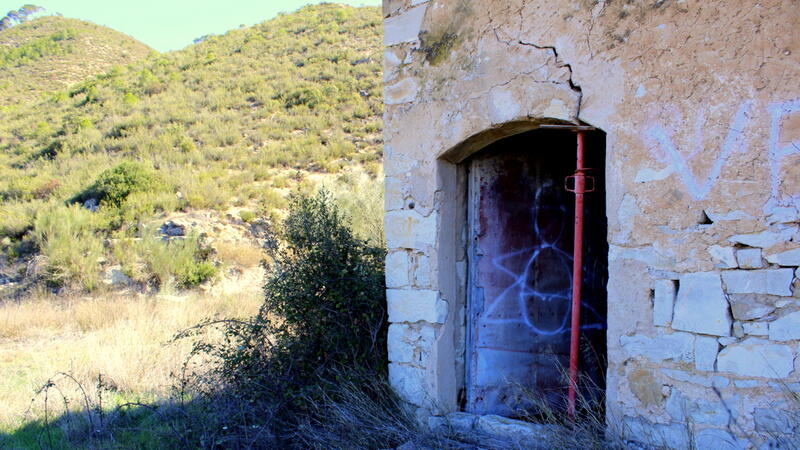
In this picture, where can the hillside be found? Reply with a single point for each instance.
(51, 53)
(232, 121)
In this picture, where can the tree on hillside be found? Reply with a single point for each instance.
(18, 16)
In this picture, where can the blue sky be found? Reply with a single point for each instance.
(171, 24)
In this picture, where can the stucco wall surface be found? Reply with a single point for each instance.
(700, 102)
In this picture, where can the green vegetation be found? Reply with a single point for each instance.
(165, 263)
(115, 185)
(40, 56)
(318, 338)
(38, 48)
(233, 120)
(66, 237)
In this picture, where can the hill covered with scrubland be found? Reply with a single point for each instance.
(50, 53)
(232, 121)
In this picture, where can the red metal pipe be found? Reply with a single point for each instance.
(577, 276)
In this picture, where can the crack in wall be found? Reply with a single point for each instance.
(559, 63)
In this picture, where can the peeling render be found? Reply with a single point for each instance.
(700, 104)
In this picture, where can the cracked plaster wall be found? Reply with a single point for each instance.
(700, 101)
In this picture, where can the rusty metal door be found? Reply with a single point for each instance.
(519, 294)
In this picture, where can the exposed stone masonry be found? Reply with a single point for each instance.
(701, 108)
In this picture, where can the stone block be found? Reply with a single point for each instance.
(409, 229)
(755, 357)
(706, 380)
(705, 352)
(751, 306)
(397, 266)
(724, 256)
(675, 346)
(696, 411)
(787, 328)
(461, 421)
(515, 429)
(646, 254)
(749, 258)
(656, 435)
(775, 421)
(410, 343)
(676, 406)
(415, 305)
(783, 214)
(755, 328)
(437, 423)
(663, 302)
(718, 439)
(403, 27)
(770, 281)
(709, 413)
(701, 306)
(764, 239)
(409, 383)
(787, 258)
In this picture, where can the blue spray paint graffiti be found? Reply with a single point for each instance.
(700, 187)
(680, 163)
(520, 293)
(778, 111)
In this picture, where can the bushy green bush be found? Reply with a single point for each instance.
(66, 236)
(327, 286)
(247, 215)
(165, 263)
(114, 185)
(309, 97)
(323, 321)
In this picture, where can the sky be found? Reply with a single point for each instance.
(171, 24)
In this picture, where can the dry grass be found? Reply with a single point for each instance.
(122, 338)
(246, 256)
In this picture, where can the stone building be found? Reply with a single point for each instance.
(691, 307)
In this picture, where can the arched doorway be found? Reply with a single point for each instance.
(520, 245)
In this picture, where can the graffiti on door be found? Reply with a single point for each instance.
(524, 295)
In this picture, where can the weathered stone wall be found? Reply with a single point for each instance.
(700, 101)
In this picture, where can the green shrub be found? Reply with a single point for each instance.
(66, 236)
(247, 216)
(140, 206)
(309, 97)
(323, 320)
(165, 263)
(114, 185)
(130, 99)
(17, 218)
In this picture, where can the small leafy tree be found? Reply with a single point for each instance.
(323, 321)
(327, 287)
